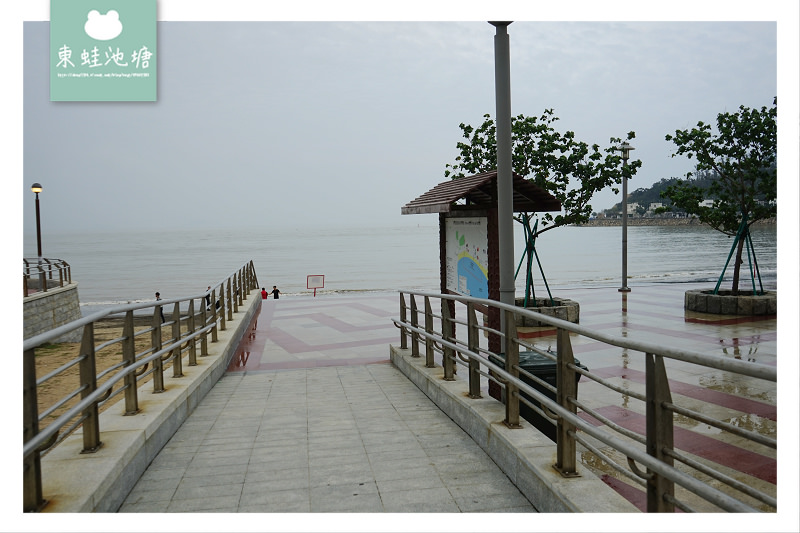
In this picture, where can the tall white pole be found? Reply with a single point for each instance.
(505, 184)
(626, 148)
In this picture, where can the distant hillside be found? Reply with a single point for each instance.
(647, 196)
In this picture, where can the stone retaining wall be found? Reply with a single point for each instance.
(43, 311)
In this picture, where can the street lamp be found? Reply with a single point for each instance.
(37, 189)
(626, 149)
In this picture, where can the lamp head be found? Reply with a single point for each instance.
(36, 188)
(626, 149)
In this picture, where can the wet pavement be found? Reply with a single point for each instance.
(311, 417)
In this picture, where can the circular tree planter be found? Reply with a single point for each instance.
(724, 303)
(564, 309)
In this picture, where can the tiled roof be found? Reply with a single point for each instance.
(479, 191)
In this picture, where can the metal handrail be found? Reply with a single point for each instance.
(42, 268)
(186, 330)
(720, 363)
(658, 455)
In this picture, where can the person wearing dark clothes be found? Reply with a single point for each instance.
(264, 293)
(275, 292)
(158, 297)
(208, 297)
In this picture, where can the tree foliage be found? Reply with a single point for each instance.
(552, 160)
(741, 156)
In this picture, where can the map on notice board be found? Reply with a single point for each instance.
(467, 257)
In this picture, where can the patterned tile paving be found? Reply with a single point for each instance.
(356, 330)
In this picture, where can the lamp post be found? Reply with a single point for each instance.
(36, 188)
(626, 149)
(505, 186)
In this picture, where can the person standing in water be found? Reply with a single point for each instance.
(275, 292)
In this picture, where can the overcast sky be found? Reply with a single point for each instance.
(342, 123)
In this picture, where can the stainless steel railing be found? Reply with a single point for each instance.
(649, 459)
(162, 341)
(38, 274)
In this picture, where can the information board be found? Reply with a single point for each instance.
(466, 256)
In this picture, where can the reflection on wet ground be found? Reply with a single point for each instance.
(341, 330)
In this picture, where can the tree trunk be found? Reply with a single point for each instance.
(737, 265)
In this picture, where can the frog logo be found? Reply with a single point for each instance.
(103, 27)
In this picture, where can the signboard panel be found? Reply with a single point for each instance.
(315, 282)
(466, 256)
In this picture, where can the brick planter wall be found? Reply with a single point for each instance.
(723, 303)
(564, 309)
(43, 311)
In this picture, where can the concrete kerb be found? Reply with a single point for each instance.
(525, 455)
(100, 481)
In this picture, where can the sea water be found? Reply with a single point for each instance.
(123, 267)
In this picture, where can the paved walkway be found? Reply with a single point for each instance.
(311, 417)
(337, 439)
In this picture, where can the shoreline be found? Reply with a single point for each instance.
(610, 222)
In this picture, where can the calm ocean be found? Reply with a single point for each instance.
(113, 268)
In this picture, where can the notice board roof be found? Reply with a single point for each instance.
(478, 191)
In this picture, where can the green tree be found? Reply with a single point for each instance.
(569, 169)
(741, 158)
(552, 160)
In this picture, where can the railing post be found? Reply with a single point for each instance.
(429, 363)
(403, 330)
(566, 389)
(31, 468)
(88, 377)
(448, 334)
(659, 433)
(512, 367)
(231, 298)
(191, 329)
(222, 304)
(204, 323)
(234, 296)
(253, 279)
(129, 357)
(42, 280)
(244, 284)
(473, 342)
(177, 357)
(415, 323)
(155, 343)
(240, 288)
(24, 285)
